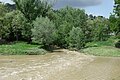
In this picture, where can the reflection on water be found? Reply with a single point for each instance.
(60, 65)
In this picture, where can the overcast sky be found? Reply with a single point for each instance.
(95, 7)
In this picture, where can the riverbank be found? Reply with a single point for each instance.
(21, 48)
(102, 48)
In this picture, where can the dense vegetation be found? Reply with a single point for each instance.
(34, 21)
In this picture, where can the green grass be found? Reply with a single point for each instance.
(103, 48)
(20, 48)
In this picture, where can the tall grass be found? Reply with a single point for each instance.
(20, 48)
(103, 48)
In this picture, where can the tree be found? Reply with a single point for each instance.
(18, 24)
(7, 25)
(33, 8)
(3, 10)
(114, 24)
(117, 16)
(117, 8)
(67, 18)
(43, 32)
(76, 38)
(13, 26)
(98, 29)
(101, 29)
(115, 19)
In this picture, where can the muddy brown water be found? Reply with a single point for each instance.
(59, 65)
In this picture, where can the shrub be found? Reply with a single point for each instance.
(43, 31)
(36, 51)
(76, 38)
(117, 45)
(118, 35)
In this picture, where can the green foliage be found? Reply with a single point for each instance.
(18, 23)
(103, 51)
(67, 18)
(102, 48)
(99, 27)
(115, 19)
(76, 38)
(3, 10)
(43, 31)
(33, 8)
(117, 44)
(114, 24)
(20, 48)
(26, 31)
(110, 42)
(117, 8)
(7, 25)
(13, 25)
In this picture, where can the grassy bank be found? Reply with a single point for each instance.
(20, 48)
(104, 48)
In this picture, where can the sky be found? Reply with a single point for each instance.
(95, 7)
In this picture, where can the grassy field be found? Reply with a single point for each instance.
(20, 48)
(104, 48)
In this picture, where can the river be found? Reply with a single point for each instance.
(59, 65)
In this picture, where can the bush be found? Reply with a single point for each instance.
(43, 31)
(76, 38)
(117, 45)
(36, 51)
(14, 26)
(118, 35)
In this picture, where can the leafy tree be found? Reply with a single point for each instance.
(117, 8)
(67, 18)
(13, 25)
(76, 38)
(98, 29)
(90, 24)
(18, 24)
(114, 24)
(43, 31)
(33, 8)
(101, 29)
(116, 18)
(7, 25)
(3, 11)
